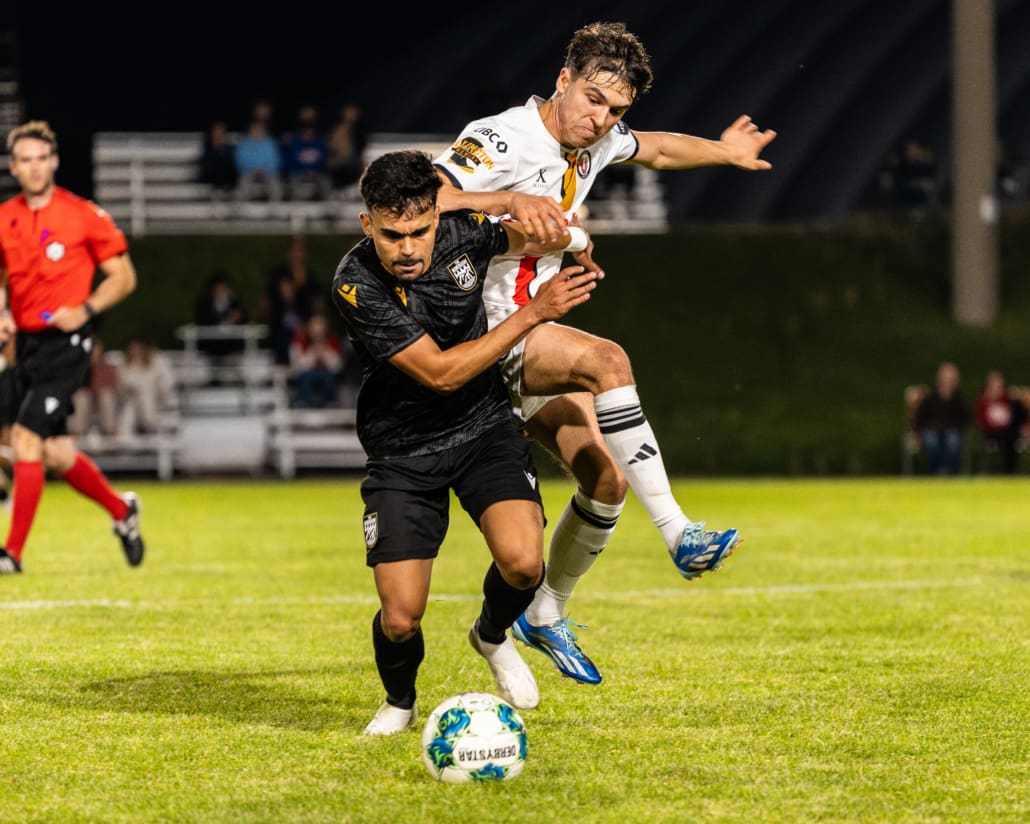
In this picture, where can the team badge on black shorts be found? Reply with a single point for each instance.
(371, 525)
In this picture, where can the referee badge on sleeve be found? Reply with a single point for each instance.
(371, 529)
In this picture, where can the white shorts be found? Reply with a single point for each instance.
(525, 406)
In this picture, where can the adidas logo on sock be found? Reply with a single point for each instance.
(646, 451)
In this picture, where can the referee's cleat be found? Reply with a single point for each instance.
(127, 529)
(8, 565)
(702, 550)
(514, 678)
(558, 642)
(390, 719)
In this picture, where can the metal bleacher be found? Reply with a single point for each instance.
(231, 415)
(147, 182)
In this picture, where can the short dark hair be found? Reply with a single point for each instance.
(610, 48)
(401, 183)
(38, 129)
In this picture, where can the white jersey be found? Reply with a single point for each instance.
(513, 151)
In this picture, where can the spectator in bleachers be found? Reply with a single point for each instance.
(316, 361)
(217, 164)
(146, 386)
(1001, 418)
(96, 403)
(345, 147)
(258, 164)
(941, 421)
(911, 174)
(304, 158)
(219, 305)
(287, 306)
(287, 319)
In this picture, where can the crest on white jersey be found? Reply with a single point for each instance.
(464, 273)
(54, 250)
(371, 525)
(583, 163)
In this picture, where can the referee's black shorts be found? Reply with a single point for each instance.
(407, 500)
(52, 365)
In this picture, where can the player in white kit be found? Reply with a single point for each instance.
(574, 390)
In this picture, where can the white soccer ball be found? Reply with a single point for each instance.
(474, 736)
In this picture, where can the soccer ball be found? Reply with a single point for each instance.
(474, 736)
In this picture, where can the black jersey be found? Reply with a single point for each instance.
(398, 416)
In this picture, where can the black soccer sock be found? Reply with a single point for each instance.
(502, 604)
(397, 664)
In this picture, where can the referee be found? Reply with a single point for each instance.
(51, 244)
(433, 416)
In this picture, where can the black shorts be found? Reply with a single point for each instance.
(407, 500)
(10, 396)
(52, 365)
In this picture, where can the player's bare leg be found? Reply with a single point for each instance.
(562, 359)
(514, 532)
(403, 588)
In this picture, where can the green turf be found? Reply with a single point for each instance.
(865, 656)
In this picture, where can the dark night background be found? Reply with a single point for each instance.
(843, 83)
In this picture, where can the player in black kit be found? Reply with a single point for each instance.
(434, 415)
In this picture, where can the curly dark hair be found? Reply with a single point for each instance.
(610, 48)
(401, 183)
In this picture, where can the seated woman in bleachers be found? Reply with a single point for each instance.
(1001, 418)
(316, 361)
(146, 387)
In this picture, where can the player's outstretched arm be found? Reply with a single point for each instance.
(540, 215)
(446, 370)
(740, 145)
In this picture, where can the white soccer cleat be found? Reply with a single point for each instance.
(390, 719)
(514, 678)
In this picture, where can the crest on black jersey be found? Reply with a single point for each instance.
(464, 273)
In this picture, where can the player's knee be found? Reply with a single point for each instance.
(58, 455)
(599, 476)
(524, 572)
(399, 626)
(611, 365)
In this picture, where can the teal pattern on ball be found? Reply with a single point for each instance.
(441, 753)
(488, 772)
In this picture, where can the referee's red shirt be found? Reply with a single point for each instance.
(51, 254)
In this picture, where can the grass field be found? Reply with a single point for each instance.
(864, 656)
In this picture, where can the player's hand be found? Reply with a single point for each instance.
(7, 327)
(564, 292)
(586, 257)
(744, 143)
(541, 217)
(68, 318)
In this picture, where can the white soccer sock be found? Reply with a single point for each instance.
(631, 441)
(578, 538)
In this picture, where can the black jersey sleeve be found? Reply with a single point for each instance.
(373, 313)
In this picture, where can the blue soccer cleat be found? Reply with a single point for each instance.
(558, 642)
(702, 550)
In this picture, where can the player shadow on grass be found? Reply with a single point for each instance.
(274, 698)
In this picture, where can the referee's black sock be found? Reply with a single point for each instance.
(502, 604)
(397, 664)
